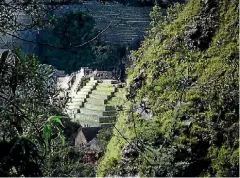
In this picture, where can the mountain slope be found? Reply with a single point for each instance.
(180, 114)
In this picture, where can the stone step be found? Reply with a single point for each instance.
(81, 96)
(109, 82)
(95, 118)
(105, 85)
(86, 123)
(102, 92)
(90, 87)
(91, 83)
(83, 93)
(107, 120)
(73, 108)
(97, 112)
(106, 89)
(96, 101)
(78, 99)
(101, 97)
(99, 107)
(86, 117)
(75, 103)
(86, 89)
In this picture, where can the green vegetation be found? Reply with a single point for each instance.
(178, 115)
(186, 79)
(24, 111)
(69, 33)
(104, 136)
(109, 162)
(68, 162)
(31, 142)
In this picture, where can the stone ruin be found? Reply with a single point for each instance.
(66, 82)
(88, 92)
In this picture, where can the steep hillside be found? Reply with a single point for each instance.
(180, 114)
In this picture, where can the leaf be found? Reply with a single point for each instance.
(55, 119)
(47, 131)
(63, 139)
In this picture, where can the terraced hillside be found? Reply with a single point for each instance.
(90, 105)
(127, 24)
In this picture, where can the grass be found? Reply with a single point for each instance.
(113, 154)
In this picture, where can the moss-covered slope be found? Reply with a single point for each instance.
(180, 116)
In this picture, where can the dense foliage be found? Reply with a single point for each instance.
(36, 11)
(181, 112)
(67, 161)
(69, 32)
(34, 142)
(104, 136)
(27, 99)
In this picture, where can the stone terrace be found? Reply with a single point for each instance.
(89, 100)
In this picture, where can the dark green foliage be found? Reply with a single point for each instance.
(54, 128)
(19, 156)
(71, 30)
(104, 136)
(29, 138)
(67, 161)
(25, 105)
(192, 94)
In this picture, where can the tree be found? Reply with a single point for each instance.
(70, 30)
(35, 11)
(17, 16)
(28, 96)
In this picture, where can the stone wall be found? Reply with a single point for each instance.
(99, 75)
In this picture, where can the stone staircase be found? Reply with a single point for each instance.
(79, 98)
(89, 105)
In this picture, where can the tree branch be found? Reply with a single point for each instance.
(60, 47)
